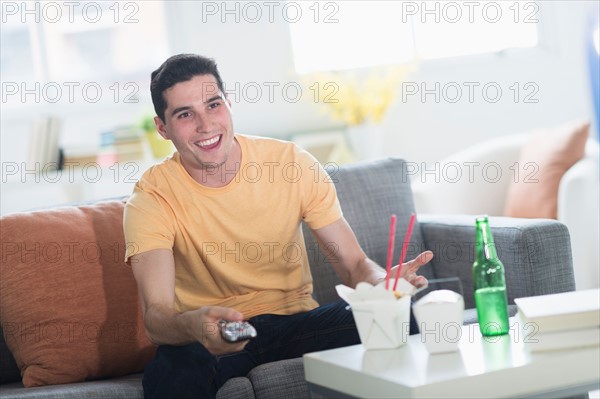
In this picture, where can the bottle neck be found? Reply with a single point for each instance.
(484, 242)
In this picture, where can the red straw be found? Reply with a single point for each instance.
(390, 251)
(411, 224)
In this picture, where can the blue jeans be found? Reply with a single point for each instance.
(190, 371)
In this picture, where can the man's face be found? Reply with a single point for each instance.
(198, 122)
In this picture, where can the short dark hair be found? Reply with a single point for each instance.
(176, 69)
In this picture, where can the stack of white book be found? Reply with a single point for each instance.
(560, 321)
(43, 144)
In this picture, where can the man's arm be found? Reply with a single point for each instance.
(154, 272)
(351, 263)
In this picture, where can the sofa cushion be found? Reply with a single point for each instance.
(369, 193)
(238, 387)
(68, 303)
(128, 387)
(281, 379)
(543, 161)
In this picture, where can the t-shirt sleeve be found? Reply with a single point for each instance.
(320, 202)
(147, 223)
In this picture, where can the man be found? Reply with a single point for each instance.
(214, 233)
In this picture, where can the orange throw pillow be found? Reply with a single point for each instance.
(68, 303)
(551, 152)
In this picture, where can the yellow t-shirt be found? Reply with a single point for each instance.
(241, 245)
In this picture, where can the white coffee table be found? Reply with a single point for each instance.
(500, 367)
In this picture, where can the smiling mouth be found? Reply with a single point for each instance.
(209, 143)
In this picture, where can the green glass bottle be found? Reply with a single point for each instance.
(489, 283)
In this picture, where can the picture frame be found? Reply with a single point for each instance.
(327, 146)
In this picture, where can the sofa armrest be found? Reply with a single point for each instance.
(578, 198)
(536, 253)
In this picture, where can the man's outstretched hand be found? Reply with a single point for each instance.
(410, 268)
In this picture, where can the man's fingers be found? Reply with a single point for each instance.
(420, 281)
(222, 313)
(422, 259)
(213, 342)
(412, 266)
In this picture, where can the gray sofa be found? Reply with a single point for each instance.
(536, 255)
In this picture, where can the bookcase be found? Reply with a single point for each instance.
(24, 187)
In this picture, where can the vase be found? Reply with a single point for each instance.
(366, 141)
(160, 147)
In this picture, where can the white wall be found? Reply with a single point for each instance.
(415, 129)
(259, 54)
(248, 55)
(429, 131)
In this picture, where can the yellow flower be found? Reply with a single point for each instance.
(352, 100)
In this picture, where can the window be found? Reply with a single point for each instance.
(17, 51)
(59, 44)
(354, 34)
(349, 34)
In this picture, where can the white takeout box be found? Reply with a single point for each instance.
(439, 316)
(383, 322)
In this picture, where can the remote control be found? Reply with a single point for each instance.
(236, 331)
